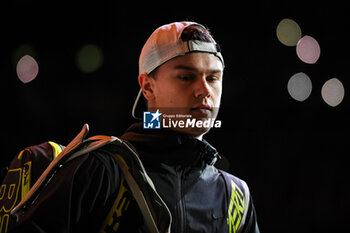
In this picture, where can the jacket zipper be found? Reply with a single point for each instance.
(181, 206)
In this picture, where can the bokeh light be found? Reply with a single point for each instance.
(308, 50)
(288, 32)
(27, 69)
(89, 58)
(333, 92)
(299, 86)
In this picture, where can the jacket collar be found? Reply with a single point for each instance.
(156, 146)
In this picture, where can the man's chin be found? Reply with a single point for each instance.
(194, 132)
(195, 126)
(201, 114)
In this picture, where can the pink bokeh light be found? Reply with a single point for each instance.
(27, 69)
(308, 50)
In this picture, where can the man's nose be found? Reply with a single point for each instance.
(202, 88)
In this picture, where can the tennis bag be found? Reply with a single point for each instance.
(25, 168)
(155, 212)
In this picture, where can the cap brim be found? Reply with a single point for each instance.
(139, 106)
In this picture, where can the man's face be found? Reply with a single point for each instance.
(189, 85)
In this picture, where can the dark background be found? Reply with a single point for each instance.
(292, 154)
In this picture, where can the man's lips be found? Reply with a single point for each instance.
(202, 106)
(202, 110)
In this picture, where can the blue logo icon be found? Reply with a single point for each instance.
(151, 120)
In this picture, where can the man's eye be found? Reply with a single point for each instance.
(185, 77)
(212, 78)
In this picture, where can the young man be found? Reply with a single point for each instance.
(180, 74)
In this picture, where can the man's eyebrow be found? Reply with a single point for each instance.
(184, 67)
(190, 68)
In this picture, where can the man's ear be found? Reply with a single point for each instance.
(147, 83)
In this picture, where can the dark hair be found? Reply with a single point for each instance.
(195, 32)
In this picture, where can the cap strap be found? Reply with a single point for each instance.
(197, 45)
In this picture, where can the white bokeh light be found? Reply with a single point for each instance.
(333, 92)
(299, 86)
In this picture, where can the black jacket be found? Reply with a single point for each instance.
(181, 168)
(79, 197)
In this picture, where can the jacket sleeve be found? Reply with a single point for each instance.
(251, 223)
(76, 199)
(241, 211)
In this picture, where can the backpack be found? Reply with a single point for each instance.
(156, 214)
(23, 171)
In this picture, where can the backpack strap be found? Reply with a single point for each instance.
(155, 212)
(238, 201)
(153, 209)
